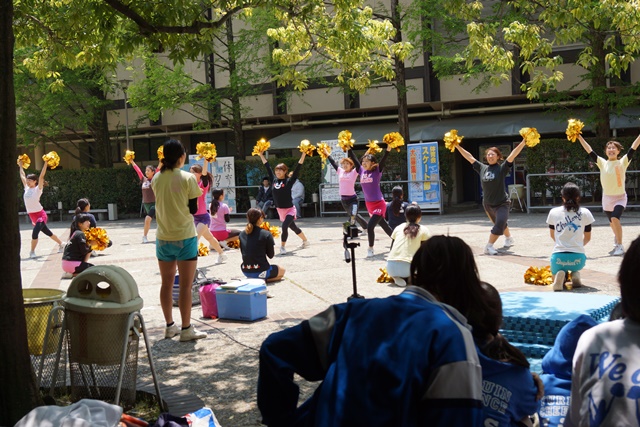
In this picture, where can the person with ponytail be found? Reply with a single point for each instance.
(83, 206)
(256, 245)
(220, 216)
(177, 195)
(201, 218)
(396, 207)
(406, 240)
(347, 175)
(77, 252)
(570, 229)
(148, 198)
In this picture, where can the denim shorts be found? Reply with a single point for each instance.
(180, 250)
(567, 261)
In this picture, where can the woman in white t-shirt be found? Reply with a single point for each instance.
(570, 229)
(33, 186)
(612, 178)
(406, 240)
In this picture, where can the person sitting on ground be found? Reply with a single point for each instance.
(78, 250)
(606, 366)
(83, 206)
(256, 245)
(220, 216)
(419, 368)
(264, 199)
(396, 207)
(297, 195)
(556, 372)
(406, 240)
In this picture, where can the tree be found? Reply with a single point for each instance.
(74, 112)
(526, 35)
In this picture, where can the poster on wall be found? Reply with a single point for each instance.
(223, 174)
(329, 175)
(424, 175)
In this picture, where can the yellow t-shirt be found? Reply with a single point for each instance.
(173, 189)
(404, 248)
(613, 175)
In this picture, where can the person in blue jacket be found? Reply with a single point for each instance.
(405, 360)
(556, 372)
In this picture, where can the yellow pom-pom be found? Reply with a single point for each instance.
(393, 140)
(161, 152)
(129, 156)
(274, 230)
(52, 159)
(574, 128)
(26, 161)
(373, 147)
(97, 238)
(306, 147)
(261, 146)
(540, 276)
(322, 146)
(452, 139)
(234, 244)
(384, 277)
(531, 136)
(203, 250)
(344, 140)
(206, 150)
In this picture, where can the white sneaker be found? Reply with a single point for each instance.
(191, 334)
(223, 244)
(145, 240)
(283, 251)
(575, 279)
(32, 255)
(618, 250)
(171, 331)
(61, 247)
(221, 258)
(490, 250)
(94, 254)
(558, 282)
(399, 281)
(305, 244)
(509, 241)
(369, 252)
(67, 276)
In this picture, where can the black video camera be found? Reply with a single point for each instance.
(350, 231)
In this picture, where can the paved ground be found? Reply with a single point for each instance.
(222, 369)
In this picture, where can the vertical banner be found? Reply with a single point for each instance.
(224, 176)
(423, 165)
(329, 174)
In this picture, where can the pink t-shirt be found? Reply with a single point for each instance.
(202, 203)
(217, 221)
(347, 182)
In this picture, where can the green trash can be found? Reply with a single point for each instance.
(38, 303)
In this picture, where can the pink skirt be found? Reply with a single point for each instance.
(283, 212)
(220, 234)
(70, 266)
(376, 208)
(610, 202)
(38, 217)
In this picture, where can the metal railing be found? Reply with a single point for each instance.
(634, 187)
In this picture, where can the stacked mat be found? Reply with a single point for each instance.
(532, 320)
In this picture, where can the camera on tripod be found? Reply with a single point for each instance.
(350, 231)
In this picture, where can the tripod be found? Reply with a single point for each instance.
(351, 257)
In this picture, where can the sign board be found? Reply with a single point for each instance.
(423, 165)
(223, 174)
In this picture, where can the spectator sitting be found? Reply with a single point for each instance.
(297, 195)
(420, 366)
(556, 372)
(396, 208)
(264, 199)
(77, 251)
(606, 366)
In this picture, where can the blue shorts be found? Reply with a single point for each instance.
(180, 250)
(270, 273)
(204, 218)
(567, 261)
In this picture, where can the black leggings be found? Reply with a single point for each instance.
(348, 204)
(40, 226)
(373, 221)
(617, 212)
(286, 225)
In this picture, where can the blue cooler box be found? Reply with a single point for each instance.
(242, 300)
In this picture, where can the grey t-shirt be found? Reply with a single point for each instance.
(492, 180)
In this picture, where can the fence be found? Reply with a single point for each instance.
(586, 186)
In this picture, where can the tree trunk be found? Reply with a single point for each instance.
(401, 81)
(18, 394)
(599, 82)
(236, 111)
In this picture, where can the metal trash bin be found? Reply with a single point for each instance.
(103, 335)
(112, 211)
